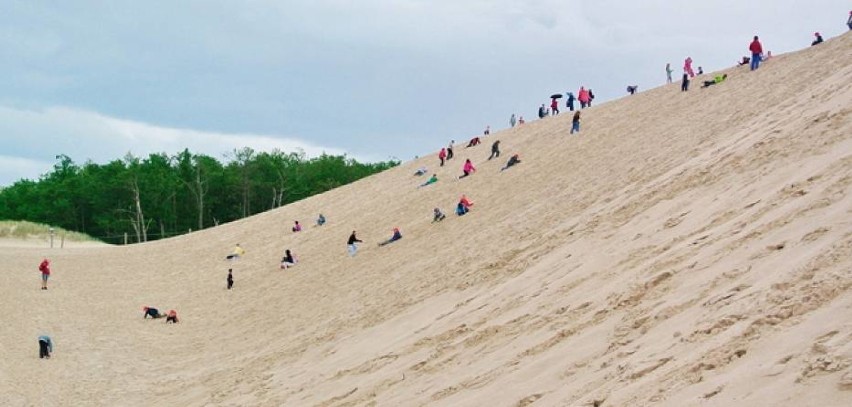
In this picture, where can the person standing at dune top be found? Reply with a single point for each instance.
(687, 67)
(849, 20)
(44, 268)
(569, 101)
(512, 120)
(554, 107)
(583, 97)
(668, 72)
(684, 84)
(756, 53)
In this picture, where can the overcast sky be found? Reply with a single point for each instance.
(372, 79)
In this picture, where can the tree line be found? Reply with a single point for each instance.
(161, 196)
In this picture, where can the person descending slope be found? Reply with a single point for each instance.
(514, 159)
(396, 236)
(236, 254)
(463, 206)
(467, 169)
(575, 122)
(230, 279)
(350, 244)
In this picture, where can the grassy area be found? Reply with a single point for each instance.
(28, 230)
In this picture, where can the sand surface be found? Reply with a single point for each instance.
(685, 249)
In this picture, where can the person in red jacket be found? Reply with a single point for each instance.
(756, 53)
(44, 267)
(442, 156)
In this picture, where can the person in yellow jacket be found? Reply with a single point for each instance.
(236, 254)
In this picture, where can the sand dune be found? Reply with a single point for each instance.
(686, 249)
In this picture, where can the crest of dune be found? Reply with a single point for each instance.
(684, 249)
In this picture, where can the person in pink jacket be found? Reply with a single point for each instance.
(687, 67)
(442, 156)
(468, 168)
(583, 97)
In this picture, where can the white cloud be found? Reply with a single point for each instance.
(32, 139)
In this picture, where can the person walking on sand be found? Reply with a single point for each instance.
(44, 268)
(450, 150)
(575, 122)
(591, 97)
(554, 107)
(230, 279)
(442, 155)
(45, 347)
(569, 101)
(684, 85)
(236, 254)
(467, 169)
(495, 149)
(668, 72)
(351, 244)
(583, 97)
(756, 52)
(512, 120)
(687, 67)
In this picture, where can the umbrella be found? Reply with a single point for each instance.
(556, 96)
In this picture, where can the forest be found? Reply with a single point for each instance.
(159, 196)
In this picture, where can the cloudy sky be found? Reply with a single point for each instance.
(372, 79)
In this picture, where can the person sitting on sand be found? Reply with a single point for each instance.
(297, 227)
(396, 236)
(745, 61)
(236, 254)
(420, 171)
(632, 89)
(45, 347)
(320, 220)
(817, 40)
(515, 159)
(717, 79)
(474, 142)
(288, 260)
(151, 312)
(468, 168)
(433, 179)
(463, 206)
(437, 215)
(172, 317)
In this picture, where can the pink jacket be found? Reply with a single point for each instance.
(468, 167)
(583, 95)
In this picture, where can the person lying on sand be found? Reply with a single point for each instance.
(396, 236)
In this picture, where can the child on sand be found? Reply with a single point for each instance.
(467, 169)
(44, 268)
(45, 347)
(396, 236)
(236, 254)
(575, 122)
(297, 227)
(151, 312)
(463, 206)
(350, 244)
(288, 260)
(172, 317)
(433, 179)
(512, 161)
(437, 215)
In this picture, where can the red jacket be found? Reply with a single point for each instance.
(44, 267)
(755, 47)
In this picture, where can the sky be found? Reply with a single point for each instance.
(375, 80)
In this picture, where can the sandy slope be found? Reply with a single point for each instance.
(685, 250)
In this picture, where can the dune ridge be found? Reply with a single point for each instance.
(684, 249)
